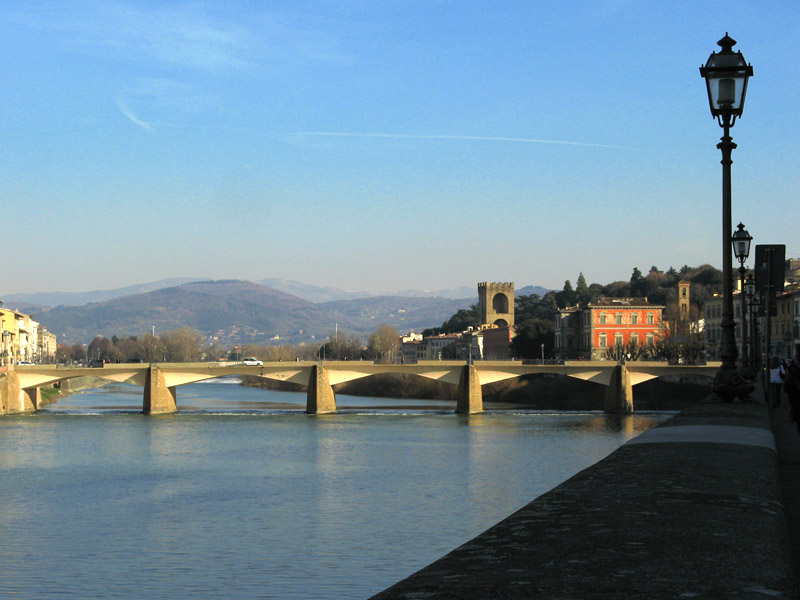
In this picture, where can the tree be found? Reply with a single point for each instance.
(78, 352)
(182, 345)
(65, 354)
(632, 351)
(153, 349)
(582, 293)
(101, 348)
(567, 296)
(384, 344)
(341, 346)
(531, 334)
(129, 348)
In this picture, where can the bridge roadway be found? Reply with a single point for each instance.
(20, 385)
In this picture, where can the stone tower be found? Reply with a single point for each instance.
(496, 303)
(683, 299)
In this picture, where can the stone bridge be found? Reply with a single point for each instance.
(20, 385)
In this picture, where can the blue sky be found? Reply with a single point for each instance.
(383, 145)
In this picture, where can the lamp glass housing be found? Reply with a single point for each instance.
(741, 243)
(750, 286)
(726, 74)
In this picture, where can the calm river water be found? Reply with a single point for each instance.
(242, 495)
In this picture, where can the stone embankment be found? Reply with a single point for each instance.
(69, 386)
(690, 509)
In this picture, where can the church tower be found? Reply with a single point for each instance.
(496, 304)
(683, 299)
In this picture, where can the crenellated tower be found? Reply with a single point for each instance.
(496, 303)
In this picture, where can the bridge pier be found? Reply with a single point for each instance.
(320, 399)
(158, 398)
(15, 399)
(619, 392)
(470, 397)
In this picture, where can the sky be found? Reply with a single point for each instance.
(378, 146)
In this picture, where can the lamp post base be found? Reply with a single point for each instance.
(748, 372)
(728, 384)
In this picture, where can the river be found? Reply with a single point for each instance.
(242, 495)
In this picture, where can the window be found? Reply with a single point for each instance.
(650, 318)
(634, 339)
(618, 339)
(649, 339)
(634, 319)
(602, 318)
(603, 340)
(619, 318)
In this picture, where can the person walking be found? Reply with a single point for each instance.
(792, 386)
(777, 374)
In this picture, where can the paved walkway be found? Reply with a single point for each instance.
(787, 441)
(697, 508)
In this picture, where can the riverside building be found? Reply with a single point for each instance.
(587, 333)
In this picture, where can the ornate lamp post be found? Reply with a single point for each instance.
(750, 290)
(741, 249)
(726, 77)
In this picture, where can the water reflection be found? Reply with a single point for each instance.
(240, 494)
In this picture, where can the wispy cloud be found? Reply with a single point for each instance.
(194, 35)
(122, 103)
(455, 137)
(153, 100)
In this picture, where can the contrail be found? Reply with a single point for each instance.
(123, 106)
(457, 137)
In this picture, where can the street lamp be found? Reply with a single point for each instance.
(741, 249)
(726, 76)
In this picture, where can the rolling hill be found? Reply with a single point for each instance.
(233, 311)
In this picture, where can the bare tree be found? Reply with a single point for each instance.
(182, 345)
(384, 344)
(153, 349)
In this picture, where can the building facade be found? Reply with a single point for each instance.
(19, 337)
(588, 333)
(47, 346)
(785, 325)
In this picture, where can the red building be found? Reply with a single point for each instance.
(589, 332)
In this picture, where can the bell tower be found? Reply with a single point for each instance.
(683, 299)
(496, 304)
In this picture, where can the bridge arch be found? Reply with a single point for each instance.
(161, 380)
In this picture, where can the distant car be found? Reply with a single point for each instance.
(24, 362)
(252, 361)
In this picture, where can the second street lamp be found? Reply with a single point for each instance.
(741, 249)
(726, 76)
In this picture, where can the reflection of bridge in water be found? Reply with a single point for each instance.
(20, 386)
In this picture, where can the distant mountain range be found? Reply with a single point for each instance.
(233, 311)
(310, 293)
(40, 300)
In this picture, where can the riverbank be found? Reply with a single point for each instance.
(545, 392)
(54, 393)
(690, 509)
